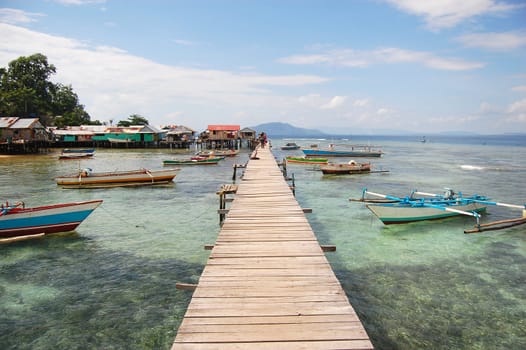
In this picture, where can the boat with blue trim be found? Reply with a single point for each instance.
(16, 220)
(344, 151)
(398, 210)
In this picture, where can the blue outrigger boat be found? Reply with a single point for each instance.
(396, 210)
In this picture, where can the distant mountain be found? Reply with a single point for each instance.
(287, 130)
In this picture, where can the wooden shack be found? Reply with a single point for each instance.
(178, 136)
(22, 135)
(221, 136)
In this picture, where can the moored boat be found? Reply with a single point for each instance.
(75, 155)
(344, 151)
(401, 213)
(75, 150)
(69, 153)
(219, 153)
(17, 220)
(345, 168)
(409, 209)
(193, 161)
(306, 160)
(85, 178)
(290, 146)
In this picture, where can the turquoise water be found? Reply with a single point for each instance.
(111, 284)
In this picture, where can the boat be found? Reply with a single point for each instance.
(290, 146)
(74, 150)
(75, 155)
(346, 168)
(117, 140)
(18, 221)
(410, 209)
(86, 178)
(193, 161)
(344, 151)
(68, 153)
(306, 160)
(219, 153)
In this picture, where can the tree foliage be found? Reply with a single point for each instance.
(134, 119)
(26, 91)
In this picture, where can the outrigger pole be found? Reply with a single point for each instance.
(364, 192)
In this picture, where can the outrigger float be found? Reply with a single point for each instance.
(431, 206)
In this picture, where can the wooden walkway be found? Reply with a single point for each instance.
(267, 283)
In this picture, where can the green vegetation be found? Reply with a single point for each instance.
(133, 119)
(26, 91)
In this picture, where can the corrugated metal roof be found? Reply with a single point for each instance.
(247, 130)
(26, 123)
(6, 122)
(223, 127)
(72, 132)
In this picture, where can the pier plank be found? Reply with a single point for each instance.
(267, 283)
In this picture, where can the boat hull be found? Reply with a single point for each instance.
(345, 169)
(304, 160)
(346, 153)
(72, 155)
(73, 150)
(211, 161)
(45, 219)
(397, 213)
(137, 177)
(219, 153)
(290, 146)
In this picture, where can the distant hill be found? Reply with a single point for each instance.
(286, 130)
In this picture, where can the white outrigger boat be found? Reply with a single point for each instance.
(430, 206)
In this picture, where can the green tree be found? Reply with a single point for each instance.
(25, 86)
(26, 91)
(67, 109)
(134, 119)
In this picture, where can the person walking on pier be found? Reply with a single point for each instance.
(262, 139)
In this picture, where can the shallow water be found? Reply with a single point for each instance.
(111, 284)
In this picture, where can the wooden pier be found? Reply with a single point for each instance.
(267, 283)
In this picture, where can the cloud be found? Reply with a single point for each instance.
(494, 41)
(518, 107)
(520, 88)
(440, 14)
(335, 102)
(360, 103)
(517, 112)
(383, 111)
(15, 16)
(390, 55)
(112, 83)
